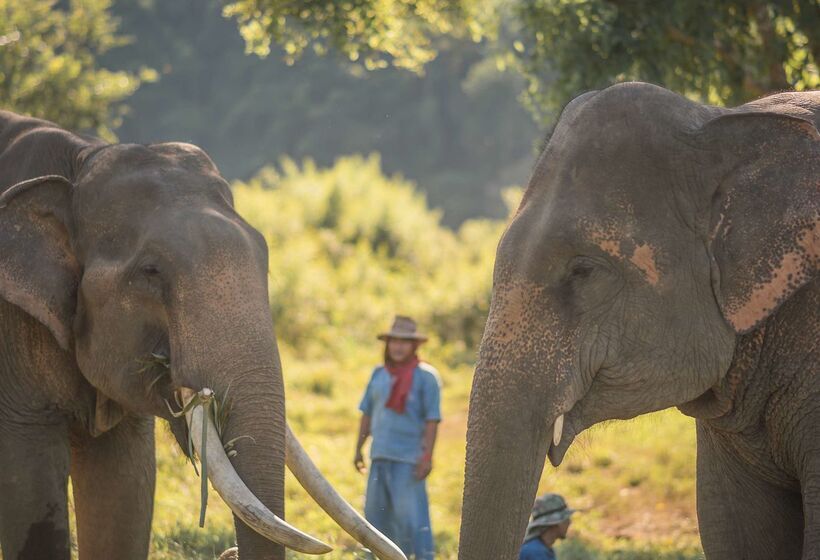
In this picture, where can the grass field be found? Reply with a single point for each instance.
(633, 481)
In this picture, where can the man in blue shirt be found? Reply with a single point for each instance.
(401, 410)
(549, 522)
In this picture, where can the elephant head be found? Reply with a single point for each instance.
(135, 260)
(654, 231)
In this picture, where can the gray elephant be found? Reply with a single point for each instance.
(127, 279)
(665, 254)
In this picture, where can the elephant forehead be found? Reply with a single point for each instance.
(146, 189)
(550, 231)
(134, 178)
(575, 226)
(619, 240)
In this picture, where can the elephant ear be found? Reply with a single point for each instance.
(764, 224)
(38, 269)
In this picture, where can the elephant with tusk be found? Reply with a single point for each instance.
(127, 277)
(665, 253)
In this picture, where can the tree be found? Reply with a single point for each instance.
(718, 51)
(725, 51)
(48, 63)
(378, 32)
(457, 131)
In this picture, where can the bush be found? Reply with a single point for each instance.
(349, 248)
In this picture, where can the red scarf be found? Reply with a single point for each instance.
(402, 381)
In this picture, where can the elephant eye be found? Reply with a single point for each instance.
(581, 270)
(150, 270)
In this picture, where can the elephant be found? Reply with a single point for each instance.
(129, 285)
(664, 254)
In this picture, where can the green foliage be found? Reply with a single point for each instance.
(377, 32)
(721, 52)
(48, 63)
(458, 131)
(351, 247)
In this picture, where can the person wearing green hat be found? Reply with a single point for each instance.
(550, 521)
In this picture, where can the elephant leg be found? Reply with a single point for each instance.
(113, 480)
(34, 463)
(740, 515)
(811, 509)
(809, 452)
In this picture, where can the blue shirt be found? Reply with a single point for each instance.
(535, 549)
(397, 437)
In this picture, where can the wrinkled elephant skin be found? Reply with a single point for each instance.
(664, 254)
(125, 276)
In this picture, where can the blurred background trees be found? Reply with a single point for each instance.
(458, 130)
(720, 52)
(49, 64)
(377, 32)
(350, 246)
(453, 94)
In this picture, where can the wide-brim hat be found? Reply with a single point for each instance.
(403, 328)
(549, 510)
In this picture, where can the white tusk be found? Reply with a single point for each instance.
(557, 430)
(236, 494)
(339, 510)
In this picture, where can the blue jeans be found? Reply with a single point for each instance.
(396, 504)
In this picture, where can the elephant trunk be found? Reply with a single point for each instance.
(245, 378)
(223, 343)
(507, 442)
(255, 414)
(520, 392)
(223, 339)
(245, 505)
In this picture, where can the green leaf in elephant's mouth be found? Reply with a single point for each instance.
(214, 410)
(158, 363)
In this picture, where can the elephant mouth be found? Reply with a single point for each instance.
(558, 450)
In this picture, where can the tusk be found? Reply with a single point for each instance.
(557, 430)
(236, 494)
(329, 500)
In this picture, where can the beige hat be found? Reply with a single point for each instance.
(404, 328)
(549, 509)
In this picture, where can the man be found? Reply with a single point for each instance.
(549, 522)
(401, 409)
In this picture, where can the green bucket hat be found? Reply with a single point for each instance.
(549, 509)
